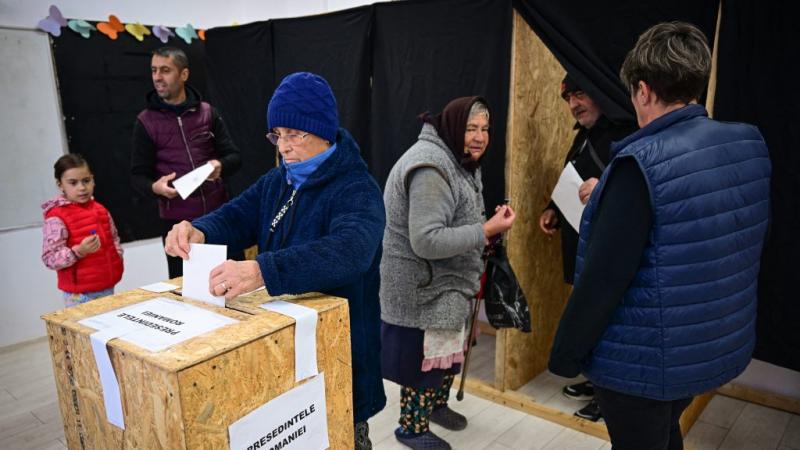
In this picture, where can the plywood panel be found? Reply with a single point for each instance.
(540, 133)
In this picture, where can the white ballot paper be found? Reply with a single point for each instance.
(202, 260)
(305, 336)
(160, 287)
(565, 196)
(296, 419)
(153, 325)
(188, 183)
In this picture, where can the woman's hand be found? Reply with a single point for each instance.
(180, 236)
(234, 278)
(500, 222)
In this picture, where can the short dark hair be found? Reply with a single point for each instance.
(178, 55)
(68, 161)
(673, 58)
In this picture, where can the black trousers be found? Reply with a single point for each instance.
(174, 263)
(637, 423)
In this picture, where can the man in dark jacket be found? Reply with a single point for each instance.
(666, 276)
(589, 155)
(318, 221)
(177, 133)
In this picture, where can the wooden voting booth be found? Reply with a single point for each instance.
(540, 131)
(187, 396)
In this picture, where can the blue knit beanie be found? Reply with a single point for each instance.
(304, 101)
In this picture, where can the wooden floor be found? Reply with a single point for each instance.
(29, 417)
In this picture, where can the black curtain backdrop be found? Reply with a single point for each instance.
(426, 53)
(103, 84)
(757, 70)
(337, 47)
(590, 38)
(240, 66)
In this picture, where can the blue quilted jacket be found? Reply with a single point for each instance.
(328, 241)
(687, 322)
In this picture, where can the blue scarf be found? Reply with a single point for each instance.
(297, 173)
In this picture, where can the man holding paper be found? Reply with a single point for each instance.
(584, 164)
(318, 221)
(179, 134)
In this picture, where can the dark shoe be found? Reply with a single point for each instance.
(422, 441)
(590, 412)
(449, 419)
(580, 391)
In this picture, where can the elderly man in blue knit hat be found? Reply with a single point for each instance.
(318, 221)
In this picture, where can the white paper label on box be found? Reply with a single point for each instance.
(158, 323)
(305, 336)
(296, 419)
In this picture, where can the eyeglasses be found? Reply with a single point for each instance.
(291, 139)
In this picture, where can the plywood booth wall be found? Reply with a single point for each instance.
(539, 135)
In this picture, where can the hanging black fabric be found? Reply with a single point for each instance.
(103, 84)
(757, 68)
(337, 47)
(241, 79)
(427, 53)
(590, 38)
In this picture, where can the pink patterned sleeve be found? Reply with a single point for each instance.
(55, 253)
(115, 235)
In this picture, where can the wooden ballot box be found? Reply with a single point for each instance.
(188, 395)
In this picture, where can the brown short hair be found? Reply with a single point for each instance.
(673, 58)
(178, 56)
(68, 161)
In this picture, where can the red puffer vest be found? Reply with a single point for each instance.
(96, 271)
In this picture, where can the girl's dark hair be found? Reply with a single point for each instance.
(68, 161)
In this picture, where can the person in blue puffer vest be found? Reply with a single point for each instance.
(318, 221)
(664, 303)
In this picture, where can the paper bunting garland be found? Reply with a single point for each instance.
(112, 28)
(81, 27)
(137, 30)
(163, 33)
(186, 33)
(53, 23)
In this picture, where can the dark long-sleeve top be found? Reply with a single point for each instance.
(620, 231)
(143, 155)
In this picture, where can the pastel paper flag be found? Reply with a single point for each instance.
(201, 34)
(137, 30)
(112, 28)
(53, 23)
(81, 27)
(163, 33)
(186, 33)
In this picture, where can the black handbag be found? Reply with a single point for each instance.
(506, 306)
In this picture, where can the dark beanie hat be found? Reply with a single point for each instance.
(568, 86)
(304, 101)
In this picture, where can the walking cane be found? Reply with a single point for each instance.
(471, 336)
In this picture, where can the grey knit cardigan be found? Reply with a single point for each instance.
(429, 293)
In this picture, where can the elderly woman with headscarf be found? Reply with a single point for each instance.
(431, 268)
(318, 221)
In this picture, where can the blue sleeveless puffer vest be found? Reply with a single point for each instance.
(687, 322)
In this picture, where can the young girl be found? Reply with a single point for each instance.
(80, 239)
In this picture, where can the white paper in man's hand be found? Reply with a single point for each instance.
(203, 258)
(188, 183)
(565, 195)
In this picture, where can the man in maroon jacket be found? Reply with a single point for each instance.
(177, 133)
